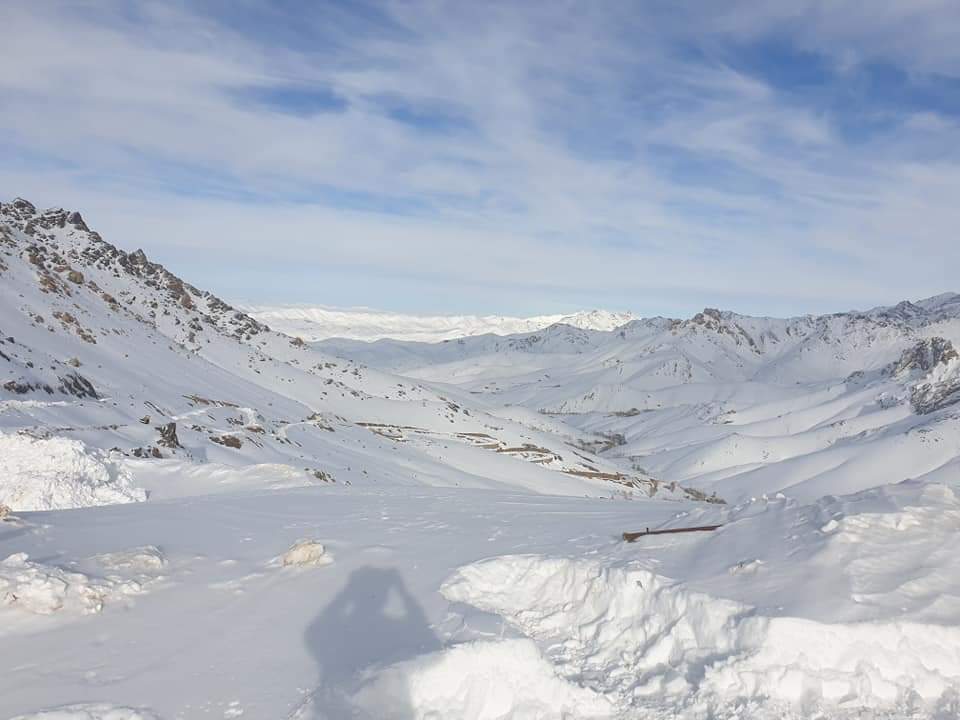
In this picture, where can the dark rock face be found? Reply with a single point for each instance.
(77, 221)
(24, 206)
(941, 385)
(77, 385)
(168, 436)
(231, 441)
(930, 397)
(925, 355)
(21, 387)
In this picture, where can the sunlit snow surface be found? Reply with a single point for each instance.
(541, 609)
(203, 518)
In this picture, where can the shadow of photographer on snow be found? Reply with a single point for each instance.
(373, 622)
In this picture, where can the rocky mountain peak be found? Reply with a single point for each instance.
(924, 356)
(940, 385)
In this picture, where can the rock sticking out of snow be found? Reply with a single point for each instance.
(90, 711)
(60, 473)
(306, 553)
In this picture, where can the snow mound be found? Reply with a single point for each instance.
(305, 553)
(479, 681)
(641, 638)
(148, 558)
(90, 711)
(45, 589)
(58, 473)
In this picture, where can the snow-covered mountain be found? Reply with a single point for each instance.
(261, 526)
(731, 404)
(320, 323)
(107, 349)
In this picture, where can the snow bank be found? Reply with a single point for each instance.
(88, 711)
(46, 589)
(39, 589)
(59, 473)
(624, 631)
(632, 635)
(504, 680)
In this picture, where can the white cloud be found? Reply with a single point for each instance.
(595, 159)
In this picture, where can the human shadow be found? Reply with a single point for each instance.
(373, 621)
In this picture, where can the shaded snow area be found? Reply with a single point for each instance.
(325, 603)
(58, 473)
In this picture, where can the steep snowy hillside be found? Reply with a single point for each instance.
(730, 404)
(320, 323)
(141, 370)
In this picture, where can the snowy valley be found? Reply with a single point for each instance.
(383, 516)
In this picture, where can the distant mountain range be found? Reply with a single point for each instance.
(320, 323)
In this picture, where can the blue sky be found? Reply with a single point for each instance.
(511, 157)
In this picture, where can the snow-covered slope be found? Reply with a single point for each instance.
(730, 404)
(320, 323)
(128, 361)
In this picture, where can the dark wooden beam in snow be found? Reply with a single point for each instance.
(631, 536)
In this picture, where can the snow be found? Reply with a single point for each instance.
(211, 519)
(27, 586)
(148, 558)
(631, 634)
(320, 323)
(485, 680)
(482, 604)
(58, 473)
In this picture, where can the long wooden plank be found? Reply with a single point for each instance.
(631, 536)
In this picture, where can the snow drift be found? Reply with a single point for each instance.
(43, 589)
(635, 636)
(58, 473)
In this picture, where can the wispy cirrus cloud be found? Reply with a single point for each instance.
(658, 156)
